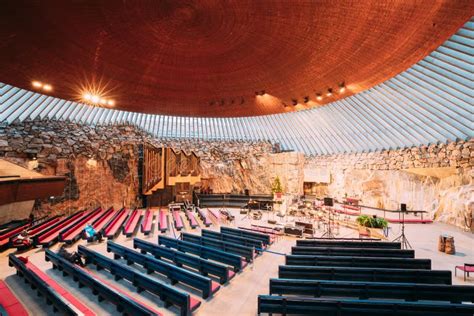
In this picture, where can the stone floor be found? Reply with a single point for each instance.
(239, 296)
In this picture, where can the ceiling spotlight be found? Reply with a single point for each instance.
(319, 97)
(329, 92)
(342, 87)
(294, 101)
(37, 84)
(111, 102)
(95, 99)
(87, 96)
(103, 101)
(47, 87)
(306, 99)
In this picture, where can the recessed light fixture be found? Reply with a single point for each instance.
(41, 85)
(342, 87)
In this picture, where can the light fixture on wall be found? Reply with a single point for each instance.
(306, 99)
(319, 97)
(329, 93)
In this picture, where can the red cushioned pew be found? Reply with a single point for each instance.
(50, 235)
(192, 220)
(131, 226)
(147, 222)
(178, 223)
(75, 231)
(112, 229)
(101, 222)
(61, 299)
(10, 304)
(163, 224)
(35, 231)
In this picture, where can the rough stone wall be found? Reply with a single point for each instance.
(437, 178)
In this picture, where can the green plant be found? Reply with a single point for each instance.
(276, 186)
(371, 221)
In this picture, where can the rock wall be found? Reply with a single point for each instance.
(437, 178)
(101, 165)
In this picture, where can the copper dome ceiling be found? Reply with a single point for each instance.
(209, 58)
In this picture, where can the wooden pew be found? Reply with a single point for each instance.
(171, 271)
(9, 303)
(370, 262)
(365, 274)
(366, 290)
(192, 220)
(113, 228)
(35, 231)
(130, 227)
(205, 219)
(247, 234)
(147, 223)
(74, 232)
(167, 293)
(204, 252)
(178, 222)
(258, 244)
(163, 224)
(356, 252)
(247, 252)
(323, 307)
(61, 300)
(349, 244)
(50, 236)
(125, 303)
(204, 266)
(101, 222)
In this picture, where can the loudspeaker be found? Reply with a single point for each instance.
(328, 201)
(403, 207)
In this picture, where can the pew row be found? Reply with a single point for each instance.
(174, 273)
(246, 252)
(205, 219)
(113, 228)
(147, 223)
(191, 219)
(370, 262)
(178, 222)
(244, 241)
(51, 235)
(365, 274)
(35, 231)
(349, 244)
(204, 252)
(369, 290)
(204, 266)
(74, 232)
(124, 303)
(321, 306)
(357, 252)
(101, 222)
(167, 293)
(55, 295)
(163, 224)
(130, 227)
(266, 239)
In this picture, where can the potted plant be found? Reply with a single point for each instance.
(277, 189)
(371, 225)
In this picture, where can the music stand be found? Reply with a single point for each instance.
(328, 202)
(403, 238)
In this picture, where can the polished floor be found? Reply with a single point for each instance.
(239, 296)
